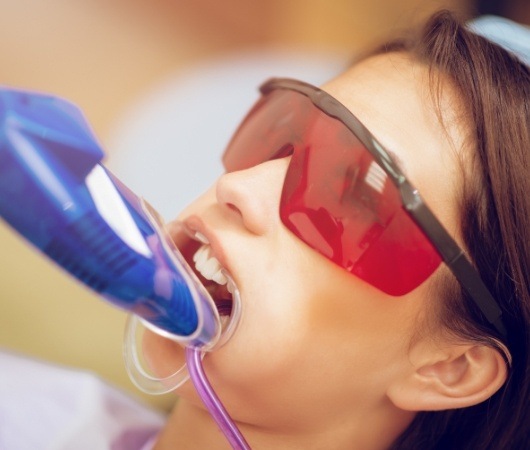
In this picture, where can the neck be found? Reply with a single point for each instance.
(191, 427)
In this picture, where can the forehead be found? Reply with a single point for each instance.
(391, 94)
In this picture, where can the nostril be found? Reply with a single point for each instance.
(233, 207)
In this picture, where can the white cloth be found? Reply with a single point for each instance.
(43, 406)
(513, 36)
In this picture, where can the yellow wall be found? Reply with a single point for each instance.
(101, 55)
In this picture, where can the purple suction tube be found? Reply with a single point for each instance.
(212, 402)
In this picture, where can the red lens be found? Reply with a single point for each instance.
(275, 124)
(335, 198)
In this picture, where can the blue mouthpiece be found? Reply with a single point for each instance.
(56, 193)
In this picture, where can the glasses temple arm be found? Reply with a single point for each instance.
(453, 256)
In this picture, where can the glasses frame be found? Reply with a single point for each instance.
(451, 253)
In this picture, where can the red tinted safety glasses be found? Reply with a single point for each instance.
(345, 196)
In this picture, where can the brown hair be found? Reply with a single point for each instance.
(494, 89)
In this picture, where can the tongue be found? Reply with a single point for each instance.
(221, 297)
(224, 307)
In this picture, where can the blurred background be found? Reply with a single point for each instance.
(163, 83)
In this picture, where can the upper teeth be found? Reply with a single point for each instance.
(208, 265)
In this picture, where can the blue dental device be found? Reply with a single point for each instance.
(56, 193)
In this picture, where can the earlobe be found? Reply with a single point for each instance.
(458, 377)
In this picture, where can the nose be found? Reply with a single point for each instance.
(253, 194)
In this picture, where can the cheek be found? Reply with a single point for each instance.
(273, 327)
(292, 316)
(359, 331)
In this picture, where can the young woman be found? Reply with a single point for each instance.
(354, 334)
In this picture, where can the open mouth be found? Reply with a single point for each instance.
(214, 278)
(198, 254)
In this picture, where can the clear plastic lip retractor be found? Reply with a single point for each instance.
(55, 192)
(139, 371)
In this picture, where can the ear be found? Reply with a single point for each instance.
(453, 377)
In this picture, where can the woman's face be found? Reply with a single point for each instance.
(314, 342)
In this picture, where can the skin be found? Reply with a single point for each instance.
(320, 358)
